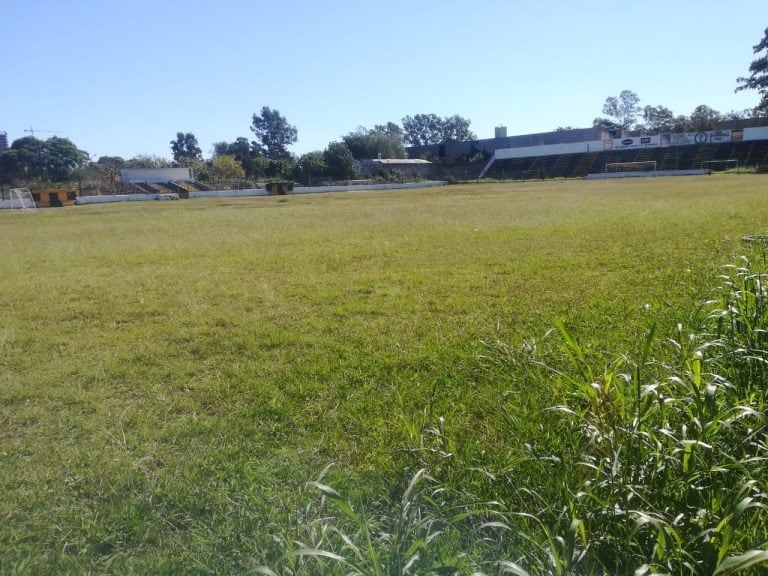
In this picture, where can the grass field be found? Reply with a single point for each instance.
(172, 373)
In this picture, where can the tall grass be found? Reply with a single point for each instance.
(660, 467)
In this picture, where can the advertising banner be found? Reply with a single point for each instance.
(708, 137)
(637, 142)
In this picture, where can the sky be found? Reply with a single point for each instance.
(121, 78)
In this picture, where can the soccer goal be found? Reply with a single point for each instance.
(21, 199)
(646, 166)
(720, 165)
(531, 175)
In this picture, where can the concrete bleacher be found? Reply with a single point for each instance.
(667, 158)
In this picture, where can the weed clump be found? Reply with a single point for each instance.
(660, 467)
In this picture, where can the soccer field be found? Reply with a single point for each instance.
(171, 373)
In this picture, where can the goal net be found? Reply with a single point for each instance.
(646, 166)
(531, 175)
(21, 199)
(720, 165)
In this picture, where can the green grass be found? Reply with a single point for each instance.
(172, 373)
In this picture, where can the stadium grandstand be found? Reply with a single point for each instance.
(598, 151)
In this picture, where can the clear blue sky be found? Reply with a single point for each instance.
(121, 78)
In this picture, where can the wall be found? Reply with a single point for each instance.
(550, 150)
(756, 133)
(156, 175)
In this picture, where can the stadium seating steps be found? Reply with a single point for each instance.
(667, 158)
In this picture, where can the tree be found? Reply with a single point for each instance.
(391, 130)
(625, 108)
(54, 159)
(456, 129)
(422, 129)
(365, 143)
(274, 133)
(425, 129)
(227, 168)
(148, 161)
(185, 148)
(605, 123)
(240, 149)
(339, 160)
(658, 118)
(310, 165)
(108, 170)
(758, 77)
(704, 118)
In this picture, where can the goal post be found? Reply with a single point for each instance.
(720, 165)
(21, 199)
(645, 166)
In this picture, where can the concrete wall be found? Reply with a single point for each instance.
(156, 175)
(550, 150)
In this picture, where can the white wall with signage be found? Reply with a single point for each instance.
(706, 137)
(637, 142)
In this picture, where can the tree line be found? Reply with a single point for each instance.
(267, 155)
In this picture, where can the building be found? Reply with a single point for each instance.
(455, 150)
(3, 141)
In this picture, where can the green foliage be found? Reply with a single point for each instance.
(185, 148)
(425, 129)
(658, 119)
(148, 161)
(704, 118)
(758, 77)
(227, 168)
(52, 160)
(339, 161)
(274, 133)
(310, 165)
(364, 143)
(623, 109)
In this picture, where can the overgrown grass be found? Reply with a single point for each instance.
(660, 467)
(171, 375)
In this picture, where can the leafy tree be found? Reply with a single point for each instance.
(114, 161)
(623, 108)
(456, 129)
(339, 160)
(758, 77)
(425, 129)
(54, 159)
(682, 123)
(365, 143)
(738, 115)
(391, 130)
(185, 148)
(605, 123)
(422, 129)
(274, 133)
(658, 118)
(148, 161)
(240, 149)
(310, 165)
(704, 118)
(227, 168)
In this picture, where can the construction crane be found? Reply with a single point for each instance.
(32, 131)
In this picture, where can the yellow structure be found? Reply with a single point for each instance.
(54, 197)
